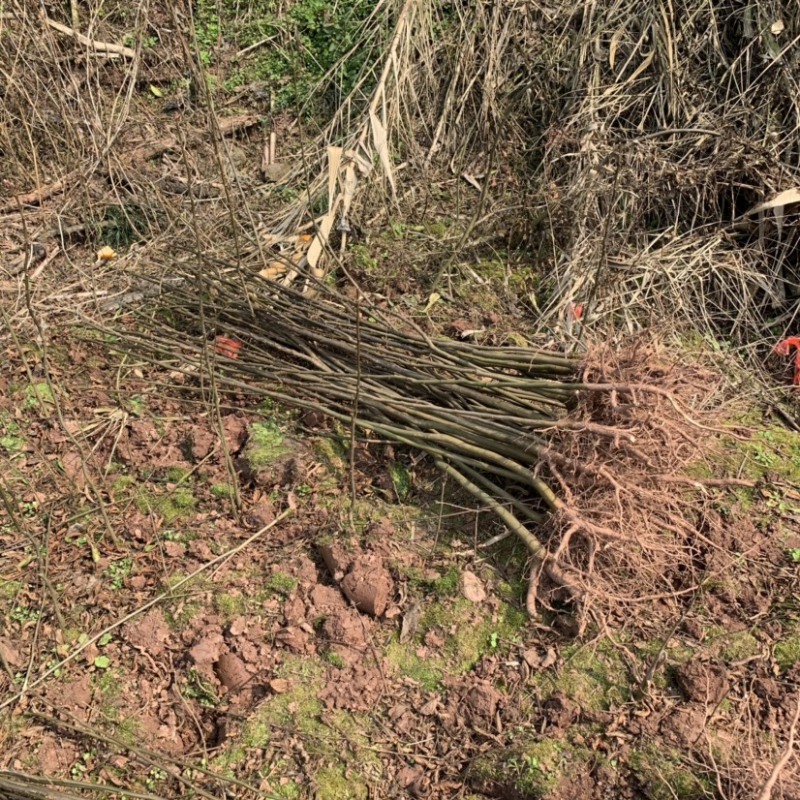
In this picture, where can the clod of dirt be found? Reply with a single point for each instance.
(294, 611)
(346, 631)
(269, 459)
(206, 652)
(701, 682)
(202, 442)
(234, 429)
(260, 514)
(325, 599)
(77, 693)
(337, 558)
(55, 756)
(381, 531)
(363, 577)
(302, 568)
(561, 712)
(368, 585)
(472, 587)
(150, 633)
(294, 638)
(481, 702)
(231, 672)
(683, 724)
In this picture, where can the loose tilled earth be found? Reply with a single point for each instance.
(353, 651)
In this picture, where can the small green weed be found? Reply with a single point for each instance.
(401, 480)
(155, 777)
(23, 614)
(117, 571)
(197, 688)
(38, 395)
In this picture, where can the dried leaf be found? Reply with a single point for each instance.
(780, 199)
(472, 587)
(155, 91)
(432, 301)
(334, 162)
(381, 143)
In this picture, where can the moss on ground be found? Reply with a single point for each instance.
(333, 784)
(333, 454)
(787, 650)
(532, 770)
(771, 453)
(664, 776)
(596, 677)
(467, 636)
(280, 583)
(735, 646)
(337, 739)
(265, 445)
(170, 507)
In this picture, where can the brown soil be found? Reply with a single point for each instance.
(335, 633)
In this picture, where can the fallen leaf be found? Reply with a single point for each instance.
(279, 685)
(432, 301)
(155, 91)
(429, 709)
(9, 654)
(780, 199)
(472, 587)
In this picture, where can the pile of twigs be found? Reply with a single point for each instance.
(482, 413)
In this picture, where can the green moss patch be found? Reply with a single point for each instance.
(466, 635)
(266, 445)
(787, 651)
(169, 507)
(664, 776)
(533, 770)
(338, 741)
(594, 677)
